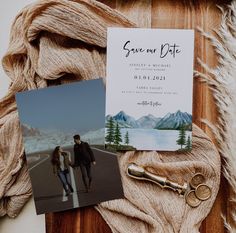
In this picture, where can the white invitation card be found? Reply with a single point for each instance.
(149, 89)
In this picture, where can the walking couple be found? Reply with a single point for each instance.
(83, 157)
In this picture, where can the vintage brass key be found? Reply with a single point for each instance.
(138, 172)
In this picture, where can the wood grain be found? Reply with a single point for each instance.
(140, 13)
(182, 14)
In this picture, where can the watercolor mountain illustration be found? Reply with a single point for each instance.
(169, 121)
(175, 121)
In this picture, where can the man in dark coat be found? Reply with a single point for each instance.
(83, 158)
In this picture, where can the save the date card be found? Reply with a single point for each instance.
(149, 89)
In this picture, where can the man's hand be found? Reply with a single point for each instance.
(94, 162)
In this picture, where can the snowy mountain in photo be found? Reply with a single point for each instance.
(175, 120)
(46, 139)
(28, 131)
(169, 121)
(148, 121)
(96, 137)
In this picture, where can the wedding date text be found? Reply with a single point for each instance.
(147, 77)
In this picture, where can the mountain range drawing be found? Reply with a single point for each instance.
(171, 132)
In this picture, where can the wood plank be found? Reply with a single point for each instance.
(137, 11)
(109, 3)
(164, 14)
(85, 220)
(91, 221)
(63, 222)
(214, 221)
(193, 14)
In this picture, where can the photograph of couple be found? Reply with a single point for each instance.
(83, 158)
(63, 130)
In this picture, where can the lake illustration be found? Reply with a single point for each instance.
(171, 132)
(152, 139)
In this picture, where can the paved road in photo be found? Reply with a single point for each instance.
(48, 191)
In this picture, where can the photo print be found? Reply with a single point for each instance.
(63, 131)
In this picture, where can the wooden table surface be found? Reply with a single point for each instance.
(181, 14)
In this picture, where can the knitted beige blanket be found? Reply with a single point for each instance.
(59, 41)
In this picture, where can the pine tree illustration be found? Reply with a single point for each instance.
(188, 144)
(182, 137)
(127, 138)
(110, 127)
(117, 135)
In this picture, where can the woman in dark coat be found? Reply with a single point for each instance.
(61, 163)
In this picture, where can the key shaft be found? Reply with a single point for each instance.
(140, 173)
